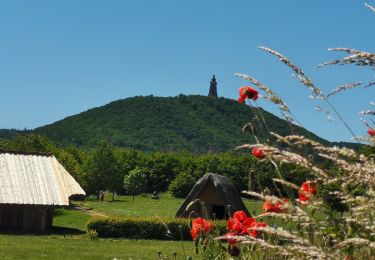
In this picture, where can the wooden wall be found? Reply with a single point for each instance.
(28, 218)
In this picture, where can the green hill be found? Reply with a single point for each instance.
(193, 123)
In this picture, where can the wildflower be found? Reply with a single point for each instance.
(371, 132)
(277, 207)
(239, 227)
(247, 92)
(258, 153)
(200, 226)
(254, 233)
(240, 215)
(306, 191)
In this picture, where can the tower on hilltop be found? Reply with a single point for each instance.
(213, 87)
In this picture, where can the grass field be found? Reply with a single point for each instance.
(68, 239)
(143, 205)
(81, 247)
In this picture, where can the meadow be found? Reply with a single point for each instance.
(68, 239)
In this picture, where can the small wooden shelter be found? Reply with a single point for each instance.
(212, 196)
(31, 185)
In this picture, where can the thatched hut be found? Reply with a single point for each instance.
(212, 196)
(31, 186)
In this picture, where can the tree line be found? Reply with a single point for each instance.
(106, 167)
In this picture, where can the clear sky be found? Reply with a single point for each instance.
(59, 58)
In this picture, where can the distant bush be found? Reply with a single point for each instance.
(145, 228)
(182, 185)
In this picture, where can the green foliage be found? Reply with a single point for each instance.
(135, 181)
(368, 150)
(146, 228)
(182, 185)
(29, 143)
(197, 124)
(105, 167)
(102, 168)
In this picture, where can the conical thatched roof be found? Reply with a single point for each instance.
(213, 190)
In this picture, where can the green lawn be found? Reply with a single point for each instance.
(81, 247)
(69, 218)
(143, 205)
(68, 239)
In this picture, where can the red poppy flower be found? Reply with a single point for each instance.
(240, 215)
(247, 92)
(306, 191)
(200, 226)
(371, 132)
(234, 225)
(258, 153)
(277, 207)
(239, 223)
(254, 233)
(246, 225)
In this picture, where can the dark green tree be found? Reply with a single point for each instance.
(103, 171)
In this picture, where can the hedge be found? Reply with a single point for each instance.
(146, 228)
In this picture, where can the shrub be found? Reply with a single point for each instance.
(146, 228)
(182, 185)
(135, 181)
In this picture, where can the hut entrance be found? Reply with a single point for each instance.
(218, 211)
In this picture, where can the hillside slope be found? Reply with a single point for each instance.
(193, 123)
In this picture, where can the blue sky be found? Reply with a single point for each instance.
(59, 58)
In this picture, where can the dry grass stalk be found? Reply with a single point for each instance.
(354, 241)
(357, 57)
(371, 83)
(367, 112)
(310, 252)
(279, 250)
(305, 80)
(273, 98)
(276, 154)
(254, 194)
(370, 7)
(299, 74)
(299, 244)
(286, 183)
(287, 217)
(344, 87)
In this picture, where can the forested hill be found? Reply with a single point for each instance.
(193, 123)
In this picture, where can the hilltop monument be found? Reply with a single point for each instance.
(213, 87)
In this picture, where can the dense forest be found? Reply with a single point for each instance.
(196, 124)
